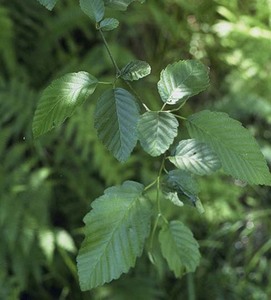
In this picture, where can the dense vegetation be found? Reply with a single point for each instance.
(47, 185)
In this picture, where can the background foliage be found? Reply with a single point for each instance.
(47, 185)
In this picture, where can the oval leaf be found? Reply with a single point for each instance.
(236, 148)
(115, 119)
(109, 24)
(195, 157)
(156, 131)
(182, 80)
(93, 8)
(60, 99)
(115, 233)
(179, 248)
(135, 70)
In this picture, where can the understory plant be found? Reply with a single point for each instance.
(126, 219)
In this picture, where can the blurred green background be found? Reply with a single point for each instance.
(46, 186)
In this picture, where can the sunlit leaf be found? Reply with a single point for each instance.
(109, 24)
(93, 8)
(174, 198)
(179, 248)
(47, 243)
(195, 157)
(60, 99)
(156, 131)
(116, 118)
(115, 232)
(236, 148)
(182, 80)
(135, 70)
(64, 241)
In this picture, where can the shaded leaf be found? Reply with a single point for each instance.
(179, 248)
(120, 4)
(109, 24)
(182, 80)
(49, 4)
(236, 148)
(195, 157)
(115, 232)
(156, 131)
(183, 184)
(60, 99)
(93, 8)
(135, 70)
(115, 118)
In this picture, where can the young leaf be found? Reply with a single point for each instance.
(115, 231)
(237, 150)
(135, 70)
(108, 24)
(183, 184)
(156, 131)
(93, 8)
(116, 116)
(195, 157)
(120, 4)
(182, 80)
(60, 99)
(49, 4)
(179, 248)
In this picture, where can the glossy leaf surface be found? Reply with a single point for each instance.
(135, 70)
(195, 157)
(182, 80)
(60, 99)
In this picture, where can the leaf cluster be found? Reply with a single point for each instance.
(52, 179)
(217, 141)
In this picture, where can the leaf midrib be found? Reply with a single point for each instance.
(217, 140)
(109, 241)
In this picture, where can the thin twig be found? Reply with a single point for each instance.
(109, 53)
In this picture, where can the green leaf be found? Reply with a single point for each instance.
(93, 8)
(49, 4)
(237, 150)
(182, 80)
(115, 119)
(115, 232)
(60, 99)
(108, 24)
(195, 157)
(120, 4)
(64, 240)
(156, 131)
(174, 198)
(179, 248)
(183, 184)
(135, 70)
